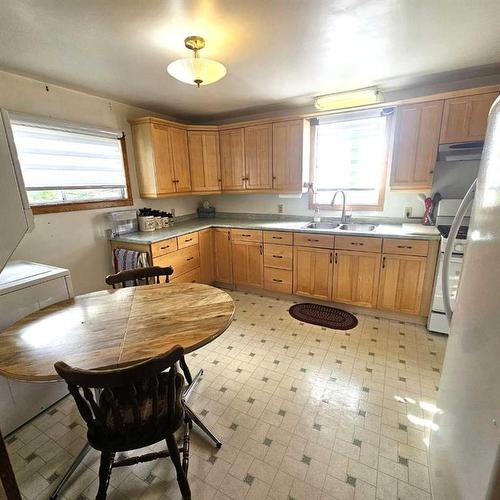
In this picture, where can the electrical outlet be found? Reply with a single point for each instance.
(408, 212)
(280, 208)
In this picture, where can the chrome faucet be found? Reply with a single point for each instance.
(343, 218)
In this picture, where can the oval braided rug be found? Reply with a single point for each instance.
(318, 314)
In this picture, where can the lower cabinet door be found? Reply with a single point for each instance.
(355, 278)
(248, 263)
(207, 256)
(223, 256)
(312, 272)
(401, 283)
(189, 277)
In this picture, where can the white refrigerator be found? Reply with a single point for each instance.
(465, 447)
(24, 286)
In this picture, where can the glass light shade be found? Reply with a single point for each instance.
(196, 71)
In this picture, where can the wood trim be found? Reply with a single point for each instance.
(9, 483)
(92, 205)
(430, 272)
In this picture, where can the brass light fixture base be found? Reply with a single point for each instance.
(194, 42)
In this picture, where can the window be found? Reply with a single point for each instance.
(351, 155)
(70, 167)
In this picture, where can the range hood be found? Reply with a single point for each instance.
(460, 151)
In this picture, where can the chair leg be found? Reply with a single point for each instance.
(104, 473)
(176, 459)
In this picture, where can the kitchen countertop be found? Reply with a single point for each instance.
(411, 231)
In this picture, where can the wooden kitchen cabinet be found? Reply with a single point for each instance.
(313, 272)
(416, 141)
(207, 256)
(223, 255)
(204, 160)
(248, 263)
(232, 159)
(259, 157)
(401, 283)
(465, 118)
(356, 278)
(291, 146)
(161, 156)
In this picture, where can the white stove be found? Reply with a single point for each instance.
(447, 209)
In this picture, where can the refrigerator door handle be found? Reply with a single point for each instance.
(455, 226)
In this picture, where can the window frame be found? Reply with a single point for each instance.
(71, 206)
(379, 207)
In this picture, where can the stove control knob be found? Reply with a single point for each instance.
(459, 248)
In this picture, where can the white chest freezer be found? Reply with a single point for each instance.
(26, 287)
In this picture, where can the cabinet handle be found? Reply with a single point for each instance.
(260, 247)
(278, 256)
(246, 235)
(383, 262)
(312, 241)
(335, 257)
(164, 248)
(409, 247)
(188, 240)
(228, 236)
(189, 258)
(277, 280)
(331, 257)
(431, 171)
(175, 180)
(357, 244)
(274, 178)
(277, 237)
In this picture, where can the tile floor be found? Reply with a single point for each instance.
(304, 412)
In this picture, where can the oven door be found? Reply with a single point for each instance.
(454, 278)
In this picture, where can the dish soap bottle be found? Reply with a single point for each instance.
(316, 217)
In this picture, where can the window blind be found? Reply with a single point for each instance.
(61, 164)
(350, 156)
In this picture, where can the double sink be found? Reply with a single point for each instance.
(329, 226)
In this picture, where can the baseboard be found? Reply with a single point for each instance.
(395, 316)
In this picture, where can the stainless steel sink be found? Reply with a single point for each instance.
(361, 228)
(322, 225)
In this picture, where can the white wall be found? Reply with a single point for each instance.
(75, 240)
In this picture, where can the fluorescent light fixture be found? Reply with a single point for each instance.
(349, 99)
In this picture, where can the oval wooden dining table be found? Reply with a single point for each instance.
(113, 328)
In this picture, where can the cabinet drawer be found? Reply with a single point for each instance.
(278, 237)
(163, 247)
(246, 235)
(187, 240)
(406, 247)
(278, 280)
(189, 277)
(358, 243)
(182, 261)
(278, 256)
(313, 240)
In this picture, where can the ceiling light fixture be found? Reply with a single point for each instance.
(349, 99)
(196, 70)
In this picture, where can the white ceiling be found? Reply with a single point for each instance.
(275, 51)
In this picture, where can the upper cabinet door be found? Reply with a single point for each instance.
(180, 159)
(232, 159)
(290, 154)
(259, 156)
(465, 118)
(162, 159)
(416, 142)
(204, 160)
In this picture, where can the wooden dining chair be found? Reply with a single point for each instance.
(139, 276)
(133, 407)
